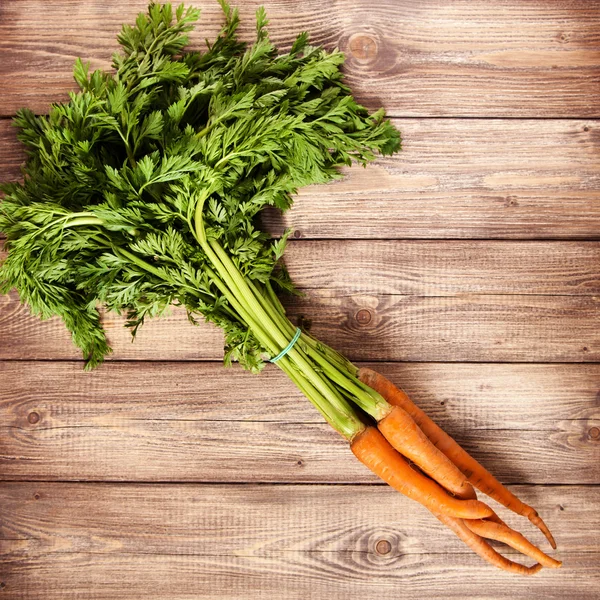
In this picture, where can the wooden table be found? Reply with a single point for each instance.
(467, 268)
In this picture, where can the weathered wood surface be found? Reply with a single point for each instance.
(446, 268)
(455, 178)
(204, 462)
(433, 268)
(200, 422)
(473, 328)
(295, 542)
(428, 59)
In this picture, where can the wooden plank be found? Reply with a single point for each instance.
(434, 58)
(454, 179)
(66, 541)
(200, 422)
(463, 179)
(171, 337)
(444, 268)
(492, 328)
(459, 328)
(463, 398)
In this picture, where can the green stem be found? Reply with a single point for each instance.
(346, 423)
(372, 403)
(84, 221)
(236, 290)
(333, 355)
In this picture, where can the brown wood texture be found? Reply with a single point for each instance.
(431, 58)
(292, 542)
(466, 268)
(455, 178)
(466, 327)
(190, 422)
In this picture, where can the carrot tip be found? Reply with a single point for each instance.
(533, 570)
(539, 523)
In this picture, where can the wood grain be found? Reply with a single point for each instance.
(505, 328)
(435, 268)
(198, 422)
(455, 178)
(461, 328)
(161, 474)
(25, 336)
(464, 179)
(430, 59)
(446, 268)
(464, 398)
(288, 542)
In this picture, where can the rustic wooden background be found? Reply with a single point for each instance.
(467, 268)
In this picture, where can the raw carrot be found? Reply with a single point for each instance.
(374, 451)
(475, 473)
(401, 431)
(483, 549)
(503, 533)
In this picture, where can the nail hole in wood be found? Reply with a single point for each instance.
(36, 496)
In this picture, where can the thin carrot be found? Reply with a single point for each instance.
(483, 549)
(374, 451)
(401, 431)
(503, 533)
(475, 473)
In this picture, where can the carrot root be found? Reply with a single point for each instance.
(476, 474)
(375, 452)
(483, 549)
(503, 533)
(539, 523)
(401, 431)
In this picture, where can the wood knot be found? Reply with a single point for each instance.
(363, 316)
(33, 417)
(36, 496)
(594, 433)
(297, 234)
(383, 547)
(363, 47)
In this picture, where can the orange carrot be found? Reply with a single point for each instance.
(400, 430)
(483, 549)
(503, 533)
(374, 451)
(475, 473)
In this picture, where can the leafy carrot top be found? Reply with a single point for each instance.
(114, 177)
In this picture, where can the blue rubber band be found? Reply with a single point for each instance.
(288, 347)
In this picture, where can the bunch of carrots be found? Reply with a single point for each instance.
(143, 191)
(419, 459)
